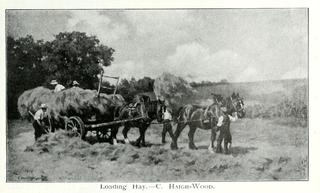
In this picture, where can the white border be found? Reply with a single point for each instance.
(261, 187)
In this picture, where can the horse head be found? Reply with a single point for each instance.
(235, 104)
(217, 98)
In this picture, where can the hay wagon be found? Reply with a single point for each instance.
(80, 127)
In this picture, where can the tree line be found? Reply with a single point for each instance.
(69, 56)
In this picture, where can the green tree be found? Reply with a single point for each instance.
(24, 69)
(76, 56)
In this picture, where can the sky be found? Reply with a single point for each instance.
(240, 45)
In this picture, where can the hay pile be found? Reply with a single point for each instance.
(70, 102)
(175, 90)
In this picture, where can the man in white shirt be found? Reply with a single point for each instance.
(231, 118)
(167, 127)
(39, 124)
(57, 87)
(75, 84)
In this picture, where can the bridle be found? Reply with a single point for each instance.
(234, 107)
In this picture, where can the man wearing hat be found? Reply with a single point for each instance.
(224, 126)
(39, 123)
(75, 84)
(57, 87)
(167, 127)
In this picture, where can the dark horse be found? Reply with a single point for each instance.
(196, 117)
(142, 107)
(202, 117)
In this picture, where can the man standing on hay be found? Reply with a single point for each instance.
(57, 87)
(40, 122)
(75, 84)
(167, 127)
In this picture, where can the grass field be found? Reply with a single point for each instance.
(262, 150)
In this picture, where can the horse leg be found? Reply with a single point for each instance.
(213, 137)
(174, 143)
(192, 130)
(142, 131)
(164, 132)
(138, 140)
(169, 130)
(219, 141)
(113, 136)
(227, 142)
(125, 133)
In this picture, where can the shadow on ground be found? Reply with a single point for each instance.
(237, 150)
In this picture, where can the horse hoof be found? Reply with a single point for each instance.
(210, 148)
(126, 141)
(193, 148)
(136, 143)
(143, 145)
(114, 142)
(173, 147)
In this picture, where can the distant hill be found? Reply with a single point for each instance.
(261, 92)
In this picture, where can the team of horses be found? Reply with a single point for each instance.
(194, 116)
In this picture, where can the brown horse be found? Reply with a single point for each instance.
(206, 118)
(196, 117)
(145, 108)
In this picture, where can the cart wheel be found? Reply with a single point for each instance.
(76, 125)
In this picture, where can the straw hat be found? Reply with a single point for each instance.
(74, 83)
(43, 106)
(53, 82)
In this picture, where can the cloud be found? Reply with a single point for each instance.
(159, 22)
(296, 73)
(248, 75)
(196, 61)
(94, 23)
(136, 69)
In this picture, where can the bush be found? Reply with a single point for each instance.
(287, 108)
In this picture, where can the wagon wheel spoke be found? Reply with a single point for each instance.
(75, 126)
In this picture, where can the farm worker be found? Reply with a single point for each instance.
(39, 121)
(57, 87)
(75, 84)
(224, 127)
(167, 127)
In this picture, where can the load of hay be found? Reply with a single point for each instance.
(174, 90)
(70, 102)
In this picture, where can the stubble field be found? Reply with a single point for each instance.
(262, 149)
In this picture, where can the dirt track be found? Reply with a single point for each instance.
(262, 150)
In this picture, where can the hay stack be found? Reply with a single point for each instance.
(175, 90)
(69, 102)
